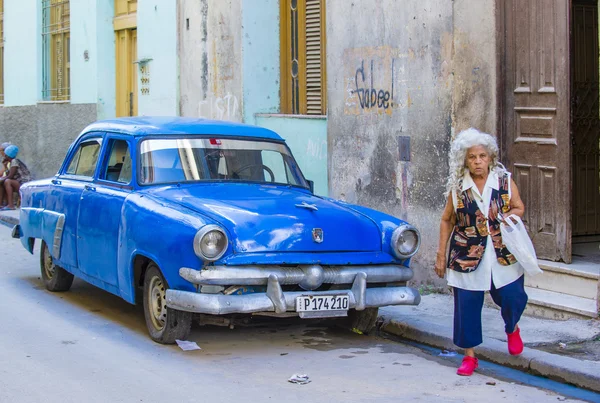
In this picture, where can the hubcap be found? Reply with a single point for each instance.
(157, 303)
(49, 267)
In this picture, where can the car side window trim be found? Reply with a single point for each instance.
(93, 137)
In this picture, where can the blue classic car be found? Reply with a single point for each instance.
(211, 218)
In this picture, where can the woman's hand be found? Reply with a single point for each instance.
(440, 264)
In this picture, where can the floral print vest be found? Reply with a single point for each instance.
(469, 237)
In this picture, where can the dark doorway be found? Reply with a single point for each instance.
(585, 127)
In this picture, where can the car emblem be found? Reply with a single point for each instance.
(317, 234)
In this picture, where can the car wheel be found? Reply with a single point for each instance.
(55, 278)
(363, 321)
(165, 325)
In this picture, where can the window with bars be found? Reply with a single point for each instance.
(1, 51)
(303, 78)
(56, 55)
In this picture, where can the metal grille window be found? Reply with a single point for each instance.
(1, 51)
(55, 52)
(303, 79)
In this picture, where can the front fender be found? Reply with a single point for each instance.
(161, 231)
(386, 223)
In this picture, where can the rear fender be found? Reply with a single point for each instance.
(43, 224)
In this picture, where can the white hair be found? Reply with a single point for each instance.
(458, 152)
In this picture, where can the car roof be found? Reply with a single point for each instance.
(141, 126)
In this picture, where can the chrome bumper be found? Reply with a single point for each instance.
(309, 277)
(275, 300)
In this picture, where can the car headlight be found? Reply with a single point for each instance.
(405, 241)
(210, 243)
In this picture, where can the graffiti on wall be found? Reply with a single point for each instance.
(221, 108)
(371, 80)
(316, 149)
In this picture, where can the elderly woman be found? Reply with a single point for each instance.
(480, 193)
(17, 175)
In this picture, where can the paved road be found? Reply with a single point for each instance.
(89, 346)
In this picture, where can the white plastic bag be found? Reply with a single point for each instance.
(517, 241)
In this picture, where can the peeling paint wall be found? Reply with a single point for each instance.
(474, 66)
(210, 57)
(395, 93)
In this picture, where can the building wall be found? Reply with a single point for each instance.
(229, 69)
(210, 57)
(22, 52)
(412, 71)
(307, 138)
(474, 66)
(44, 130)
(157, 42)
(261, 58)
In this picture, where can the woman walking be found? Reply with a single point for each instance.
(480, 192)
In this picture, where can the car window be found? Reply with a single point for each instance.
(118, 166)
(85, 159)
(207, 159)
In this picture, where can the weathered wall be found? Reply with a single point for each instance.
(474, 66)
(261, 58)
(44, 132)
(416, 71)
(389, 76)
(210, 58)
(158, 84)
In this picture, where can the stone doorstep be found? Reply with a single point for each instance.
(556, 305)
(572, 282)
(585, 374)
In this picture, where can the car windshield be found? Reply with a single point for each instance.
(216, 159)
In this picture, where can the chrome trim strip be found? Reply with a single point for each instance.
(309, 277)
(60, 224)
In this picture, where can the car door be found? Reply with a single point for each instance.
(100, 212)
(67, 188)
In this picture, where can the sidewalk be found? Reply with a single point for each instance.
(431, 323)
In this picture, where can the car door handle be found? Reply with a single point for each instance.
(56, 182)
(90, 188)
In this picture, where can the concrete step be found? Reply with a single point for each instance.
(565, 279)
(556, 305)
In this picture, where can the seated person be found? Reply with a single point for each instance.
(17, 175)
(5, 165)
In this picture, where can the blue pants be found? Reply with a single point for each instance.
(467, 311)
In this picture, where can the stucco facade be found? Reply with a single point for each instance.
(403, 77)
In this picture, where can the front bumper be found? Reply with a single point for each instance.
(278, 301)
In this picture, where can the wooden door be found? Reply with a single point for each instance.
(126, 55)
(586, 122)
(536, 141)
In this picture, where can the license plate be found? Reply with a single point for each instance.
(314, 303)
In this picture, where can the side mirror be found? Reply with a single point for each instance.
(311, 186)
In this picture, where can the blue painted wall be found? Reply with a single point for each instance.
(307, 138)
(22, 52)
(105, 59)
(157, 40)
(92, 34)
(260, 50)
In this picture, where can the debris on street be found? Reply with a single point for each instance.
(187, 345)
(447, 353)
(301, 379)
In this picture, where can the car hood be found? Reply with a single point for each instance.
(277, 219)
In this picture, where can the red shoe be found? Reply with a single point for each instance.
(469, 364)
(515, 344)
